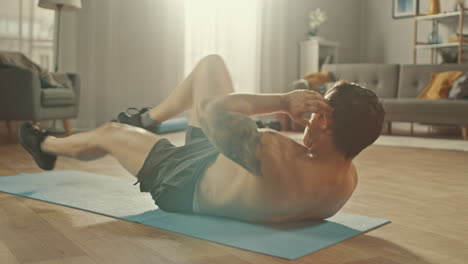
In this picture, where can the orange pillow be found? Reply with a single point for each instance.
(440, 85)
(315, 79)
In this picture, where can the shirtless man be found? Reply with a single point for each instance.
(228, 167)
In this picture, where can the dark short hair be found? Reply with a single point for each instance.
(357, 118)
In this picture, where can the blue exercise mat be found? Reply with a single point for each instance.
(117, 197)
(172, 125)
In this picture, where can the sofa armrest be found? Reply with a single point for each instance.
(20, 94)
(76, 82)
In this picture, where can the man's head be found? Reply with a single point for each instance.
(355, 123)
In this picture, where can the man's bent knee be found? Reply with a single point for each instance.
(108, 132)
(110, 127)
(213, 59)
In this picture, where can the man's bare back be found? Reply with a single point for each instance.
(294, 185)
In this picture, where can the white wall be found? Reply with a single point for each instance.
(388, 40)
(287, 25)
(126, 50)
(343, 26)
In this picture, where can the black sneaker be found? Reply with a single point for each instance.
(31, 138)
(133, 117)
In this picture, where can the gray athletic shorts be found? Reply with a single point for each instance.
(170, 174)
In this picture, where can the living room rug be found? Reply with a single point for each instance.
(412, 142)
(419, 142)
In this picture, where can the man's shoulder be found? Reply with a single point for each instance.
(273, 138)
(274, 144)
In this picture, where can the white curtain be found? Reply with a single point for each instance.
(279, 59)
(27, 28)
(230, 29)
(133, 53)
(129, 54)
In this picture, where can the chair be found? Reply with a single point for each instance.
(22, 98)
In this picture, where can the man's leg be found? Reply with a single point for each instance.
(212, 79)
(130, 145)
(208, 79)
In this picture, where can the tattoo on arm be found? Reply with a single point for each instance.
(235, 135)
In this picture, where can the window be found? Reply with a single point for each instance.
(45, 61)
(27, 28)
(228, 28)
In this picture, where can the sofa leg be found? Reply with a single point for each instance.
(412, 129)
(464, 130)
(389, 128)
(10, 131)
(66, 125)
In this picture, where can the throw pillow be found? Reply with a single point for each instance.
(459, 88)
(316, 79)
(440, 85)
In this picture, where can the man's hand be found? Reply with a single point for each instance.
(300, 102)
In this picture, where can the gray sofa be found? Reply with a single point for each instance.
(22, 98)
(398, 86)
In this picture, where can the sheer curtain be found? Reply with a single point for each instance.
(27, 28)
(278, 67)
(129, 54)
(133, 53)
(230, 29)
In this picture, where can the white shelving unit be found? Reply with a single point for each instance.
(314, 53)
(444, 15)
(437, 46)
(435, 19)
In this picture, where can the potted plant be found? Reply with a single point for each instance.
(316, 18)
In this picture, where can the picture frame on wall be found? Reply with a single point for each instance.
(405, 8)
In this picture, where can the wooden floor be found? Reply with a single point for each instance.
(423, 192)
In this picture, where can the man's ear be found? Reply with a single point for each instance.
(324, 122)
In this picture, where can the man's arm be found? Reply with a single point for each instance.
(225, 121)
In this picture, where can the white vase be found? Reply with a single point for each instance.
(315, 37)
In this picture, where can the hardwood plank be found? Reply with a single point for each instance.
(24, 233)
(423, 193)
(69, 260)
(6, 256)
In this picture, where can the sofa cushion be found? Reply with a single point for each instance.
(441, 111)
(440, 85)
(459, 88)
(415, 77)
(57, 97)
(380, 78)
